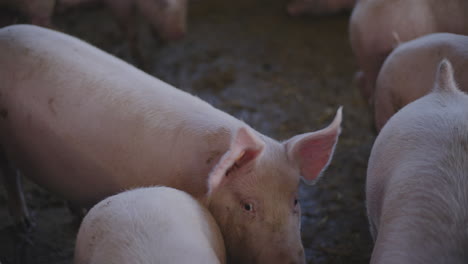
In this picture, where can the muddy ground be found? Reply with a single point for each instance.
(281, 75)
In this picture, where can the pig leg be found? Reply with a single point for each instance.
(124, 12)
(16, 201)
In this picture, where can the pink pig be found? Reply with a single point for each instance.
(167, 17)
(376, 27)
(149, 225)
(417, 179)
(87, 125)
(409, 71)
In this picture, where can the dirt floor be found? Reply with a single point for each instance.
(281, 75)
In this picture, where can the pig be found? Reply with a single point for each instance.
(416, 187)
(79, 121)
(408, 72)
(376, 27)
(149, 225)
(167, 17)
(319, 7)
(39, 12)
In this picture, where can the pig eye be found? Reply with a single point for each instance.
(296, 201)
(248, 207)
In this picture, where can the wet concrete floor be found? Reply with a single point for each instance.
(281, 75)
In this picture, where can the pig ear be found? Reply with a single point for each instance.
(313, 151)
(445, 81)
(245, 148)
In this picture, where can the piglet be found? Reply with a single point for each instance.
(376, 27)
(86, 125)
(149, 225)
(409, 71)
(319, 7)
(417, 179)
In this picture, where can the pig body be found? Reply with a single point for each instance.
(417, 180)
(319, 7)
(147, 226)
(409, 71)
(378, 26)
(155, 126)
(39, 12)
(87, 125)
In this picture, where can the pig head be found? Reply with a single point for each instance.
(253, 192)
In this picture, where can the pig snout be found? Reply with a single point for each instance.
(173, 27)
(167, 17)
(171, 32)
(281, 240)
(291, 254)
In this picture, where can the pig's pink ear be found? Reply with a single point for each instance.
(313, 151)
(245, 148)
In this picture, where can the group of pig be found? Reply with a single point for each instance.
(175, 180)
(167, 17)
(413, 57)
(86, 125)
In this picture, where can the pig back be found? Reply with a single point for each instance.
(149, 225)
(409, 71)
(86, 124)
(417, 177)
